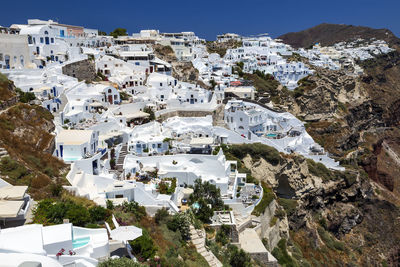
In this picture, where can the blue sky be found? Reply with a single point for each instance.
(207, 18)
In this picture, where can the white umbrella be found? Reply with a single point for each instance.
(125, 233)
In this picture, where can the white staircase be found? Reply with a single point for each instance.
(198, 239)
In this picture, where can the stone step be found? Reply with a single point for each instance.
(202, 249)
(197, 241)
(208, 258)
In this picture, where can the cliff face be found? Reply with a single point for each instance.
(342, 218)
(332, 216)
(328, 34)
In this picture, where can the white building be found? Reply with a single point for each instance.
(41, 244)
(72, 145)
(187, 168)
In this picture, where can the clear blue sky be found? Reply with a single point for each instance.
(207, 18)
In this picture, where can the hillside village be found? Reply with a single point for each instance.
(129, 131)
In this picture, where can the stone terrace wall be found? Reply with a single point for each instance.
(82, 70)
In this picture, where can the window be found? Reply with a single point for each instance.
(52, 40)
(1, 56)
(22, 60)
(46, 32)
(241, 119)
(41, 40)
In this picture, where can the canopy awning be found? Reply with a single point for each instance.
(137, 115)
(96, 104)
(125, 233)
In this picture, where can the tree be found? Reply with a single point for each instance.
(180, 222)
(118, 32)
(239, 258)
(204, 212)
(102, 33)
(209, 192)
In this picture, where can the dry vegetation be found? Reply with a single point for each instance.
(26, 135)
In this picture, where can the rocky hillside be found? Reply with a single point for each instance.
(334, 218)
(329, 34)
(340, 219)
(26, 135)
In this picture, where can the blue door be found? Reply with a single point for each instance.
(47, 40)
(61, 150)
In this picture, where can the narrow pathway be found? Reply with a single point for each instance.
(198, 238)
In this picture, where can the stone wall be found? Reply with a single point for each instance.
(184, 113)
(82, 70)
(264, 259)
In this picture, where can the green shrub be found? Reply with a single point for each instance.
(120, 262)
(161, 215)
(25, 97)
(143, 247)
(180, 222)
(283, 257)
(238, 257)
(98, 213)
(289, 205)
(12, 168)
(268, 196)
(109, 204)
(223, 234)
(137, 211)
(329, 241)
(256, 151)
(78, 215)
(320, 170)
(49, 211)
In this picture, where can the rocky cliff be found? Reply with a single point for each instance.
(328, 34)
(332, 216)
(341, 218)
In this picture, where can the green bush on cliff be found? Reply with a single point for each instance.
(319, 169)
(283, 257)
(256, 151)
(268, 196)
